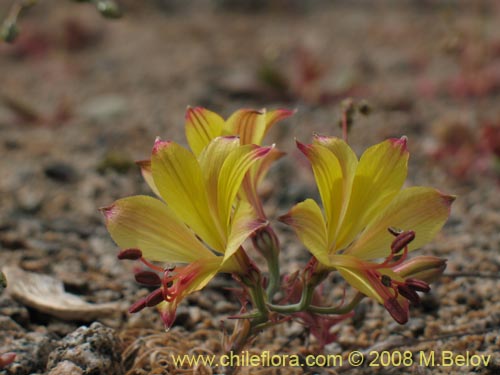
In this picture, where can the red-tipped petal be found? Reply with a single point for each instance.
(402, 143)
(303, 147)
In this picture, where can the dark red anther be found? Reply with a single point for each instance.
(386, 280)
(401, 241)
(137, 306)
(148, 278)
(398, 312)
(154, 298)
(409, 294)
(131, 254)
(418, 285)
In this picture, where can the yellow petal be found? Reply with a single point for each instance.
(243, 224)
(211, 161)
(420, 209)
(358, 275)
(180, 181)
(201, 127)
(205, 270)
(272, 117)
(348, 163)
(254, 177)
(147, 174)
(248, 124)
(231, 176)
(328, 174)
(380, 174)
(148, 224)
(308, 223)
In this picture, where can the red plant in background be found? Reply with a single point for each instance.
(466, 153)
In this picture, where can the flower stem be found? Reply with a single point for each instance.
(337, 309)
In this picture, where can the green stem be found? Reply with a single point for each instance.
(302, 305)
(274, 277)
(337, 310)
(259, 302)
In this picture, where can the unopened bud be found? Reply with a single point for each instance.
(147, 278)
(266, 242)
(131, 254)
(426, 268)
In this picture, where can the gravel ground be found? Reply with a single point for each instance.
(82, 98)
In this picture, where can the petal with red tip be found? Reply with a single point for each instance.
(329, 179)
(272, 117)
(181, 183)
(254, 177)
(148, 224)
(211, 161)
(380, 174)
(348, 162)
(231, 177)
(248, 124)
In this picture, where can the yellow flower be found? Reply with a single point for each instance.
(362, 200)
(197, 222)
(251, 127)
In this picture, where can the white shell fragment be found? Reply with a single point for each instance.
(46, 294)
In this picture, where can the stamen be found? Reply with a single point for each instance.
(418, 285)
(154, 298)
(409, 294)
(131, 254)
(151, 265)
(401, 241)
(148, 278)
(137, 306)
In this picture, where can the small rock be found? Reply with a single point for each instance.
(105, 107)
(31, 351)
(60, 172)
(7, 324)
(95, 350)
(66, 368)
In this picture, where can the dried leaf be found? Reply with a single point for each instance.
(46, 294)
